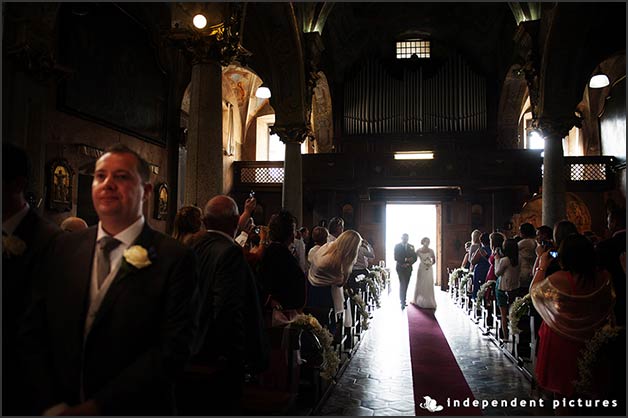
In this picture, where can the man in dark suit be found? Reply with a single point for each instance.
(405, 256)
(231, 339)
(608, 257)
(113, 319)
(25, 238)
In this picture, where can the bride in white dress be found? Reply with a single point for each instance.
(424, 289)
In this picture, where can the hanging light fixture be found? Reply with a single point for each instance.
(262, 92)
(599, 81)
(199, 21)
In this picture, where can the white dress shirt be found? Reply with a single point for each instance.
(96, 295)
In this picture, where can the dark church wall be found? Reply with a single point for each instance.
(97, 93)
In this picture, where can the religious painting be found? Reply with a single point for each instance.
(532, 212)
(60, 185)
(161, 202)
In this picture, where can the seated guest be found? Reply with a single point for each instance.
(73, 223)
(230, 338)
(188, 225)
(574, 303)
(332, 264)
(279, 273)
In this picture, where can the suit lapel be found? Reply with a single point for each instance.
(80, 279)
(125, 273)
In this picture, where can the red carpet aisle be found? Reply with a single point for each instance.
(435, 372)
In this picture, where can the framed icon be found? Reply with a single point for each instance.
(161, 201)
(60, 178)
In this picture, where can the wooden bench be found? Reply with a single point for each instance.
(276, 389)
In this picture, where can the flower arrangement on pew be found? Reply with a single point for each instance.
(592, 353)
(456, 275)
(519, 308)
(375, 288)
(464, 280)
(331, 360)
(361, 307)
(483, 289)
(381, 274)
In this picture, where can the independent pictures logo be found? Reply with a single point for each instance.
(431, 404)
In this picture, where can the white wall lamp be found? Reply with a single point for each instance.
(262, 92)
(599, 80)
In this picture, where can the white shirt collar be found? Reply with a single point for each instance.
(221, 233)
(126, 237)
(10, 225)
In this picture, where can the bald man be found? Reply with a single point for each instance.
(231, 335)
(72, 224)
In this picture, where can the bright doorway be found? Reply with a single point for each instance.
(416, 220)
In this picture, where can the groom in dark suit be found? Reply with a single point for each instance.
(26, 236)
(405, 256)
(113, 319)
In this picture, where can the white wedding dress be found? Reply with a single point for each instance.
(424, 289)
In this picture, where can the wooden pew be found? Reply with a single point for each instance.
(276, 389)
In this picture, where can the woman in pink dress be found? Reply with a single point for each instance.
(574, 303)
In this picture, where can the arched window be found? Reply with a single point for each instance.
(269, 147)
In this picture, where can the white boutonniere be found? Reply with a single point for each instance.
(137, 256)
(13, 246)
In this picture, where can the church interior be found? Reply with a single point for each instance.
(491, 112)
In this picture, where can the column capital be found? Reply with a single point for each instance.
(293, 134)
(216, 43)
(555, 127)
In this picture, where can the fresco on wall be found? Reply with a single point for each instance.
(532, 212)
(322, 116)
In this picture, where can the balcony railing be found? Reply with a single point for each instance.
(371, 170)
(589, 173)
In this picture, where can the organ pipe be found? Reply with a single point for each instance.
(452, 100)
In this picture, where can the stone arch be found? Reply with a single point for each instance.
(575, 44)
(273, 36)
(512, 99)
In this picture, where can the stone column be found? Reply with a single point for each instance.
(211, 47)
(292, 191)
(204, 168)
(554, 197)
